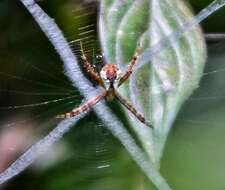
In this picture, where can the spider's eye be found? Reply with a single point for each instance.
(103, 75)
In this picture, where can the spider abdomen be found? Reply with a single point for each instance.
(110, 94)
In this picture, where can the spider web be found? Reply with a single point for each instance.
(93, 145)
(209, 73)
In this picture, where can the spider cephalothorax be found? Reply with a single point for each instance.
(110, 75)
(110, 78)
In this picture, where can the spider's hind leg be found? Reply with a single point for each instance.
(82, 108)
(131, 108)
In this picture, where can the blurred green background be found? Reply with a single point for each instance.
(89, 157)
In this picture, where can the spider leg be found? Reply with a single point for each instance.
(83, 107)
(130, 68)
(131, 108)
(89, 69)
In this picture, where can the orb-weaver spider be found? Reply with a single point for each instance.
(110, 78)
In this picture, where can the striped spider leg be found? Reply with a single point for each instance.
(110, 78)
(89, 69)
(130, 68)
(132, 109)
(83, 107)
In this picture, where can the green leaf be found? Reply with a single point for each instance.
(198, 135)
(158, 89)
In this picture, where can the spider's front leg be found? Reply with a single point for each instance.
(82, 107)
(130, 68)
(89, 69)
(131, 108)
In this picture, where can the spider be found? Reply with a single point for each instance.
(110, 78)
